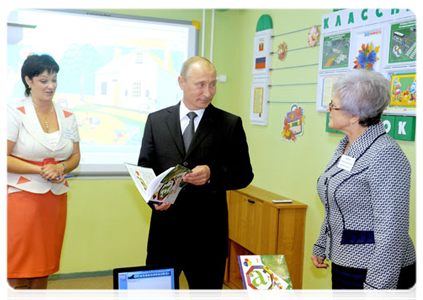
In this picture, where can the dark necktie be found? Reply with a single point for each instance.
(189, 131)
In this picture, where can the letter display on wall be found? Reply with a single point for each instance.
(380, 40)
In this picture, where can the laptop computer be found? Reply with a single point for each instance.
(145, 277)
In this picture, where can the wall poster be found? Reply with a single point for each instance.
(367, 49)
(403, 89)
(261, 71)
(259, 99)
(402, 42)
(336, 51)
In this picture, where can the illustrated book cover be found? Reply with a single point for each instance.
(164, 187)
(264, 272)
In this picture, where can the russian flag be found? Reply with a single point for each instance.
(260, 63)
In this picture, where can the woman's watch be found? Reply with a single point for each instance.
(64, 167)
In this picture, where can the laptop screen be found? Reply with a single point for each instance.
(145, 277)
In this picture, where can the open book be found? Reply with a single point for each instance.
(264, 272)
(157, 189)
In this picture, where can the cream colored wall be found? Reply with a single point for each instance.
(108, 223)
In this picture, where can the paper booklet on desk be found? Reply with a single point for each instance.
(157, 189)
(264, 272)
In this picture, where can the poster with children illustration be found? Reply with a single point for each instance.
(403, 90)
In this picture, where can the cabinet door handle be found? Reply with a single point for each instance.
(251, 201)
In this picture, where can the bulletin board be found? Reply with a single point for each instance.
(379, 40)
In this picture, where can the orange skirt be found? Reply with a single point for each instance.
(35, 229)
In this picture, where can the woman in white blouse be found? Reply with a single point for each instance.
(42, 147)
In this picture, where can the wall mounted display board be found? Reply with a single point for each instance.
(261, 71)
(379, 40)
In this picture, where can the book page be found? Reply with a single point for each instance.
(156, 183)
(178, 171)
(142, 177)
(169, 184)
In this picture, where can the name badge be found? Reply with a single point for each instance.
(68, 134)
(346, 162)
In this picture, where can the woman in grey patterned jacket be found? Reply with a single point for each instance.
(365, 191)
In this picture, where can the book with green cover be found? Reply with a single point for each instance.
(264, 272)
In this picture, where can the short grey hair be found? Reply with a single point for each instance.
(363, 93)
(186, 67)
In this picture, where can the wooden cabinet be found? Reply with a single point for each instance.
(257, 226)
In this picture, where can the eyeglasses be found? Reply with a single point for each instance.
(333, 107)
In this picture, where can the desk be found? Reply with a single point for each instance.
(257, 226)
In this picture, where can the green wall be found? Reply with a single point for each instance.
(107, 220)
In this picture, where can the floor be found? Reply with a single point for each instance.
(101, 288)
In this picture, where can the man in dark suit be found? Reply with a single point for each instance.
(192, 234)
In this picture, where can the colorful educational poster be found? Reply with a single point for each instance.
(402, 43)
(379, 40)
(336, 51)
(367, 50)
(293, 124)
(264, 272)
(403, 90)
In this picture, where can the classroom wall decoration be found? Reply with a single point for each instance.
(367, 50)
(403, 90)
(293, 124)
(261, 71)
(381, 40)
(313, 36)
(282, 51)
(335, 51)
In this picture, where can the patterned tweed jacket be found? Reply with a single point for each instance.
(367, 209)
